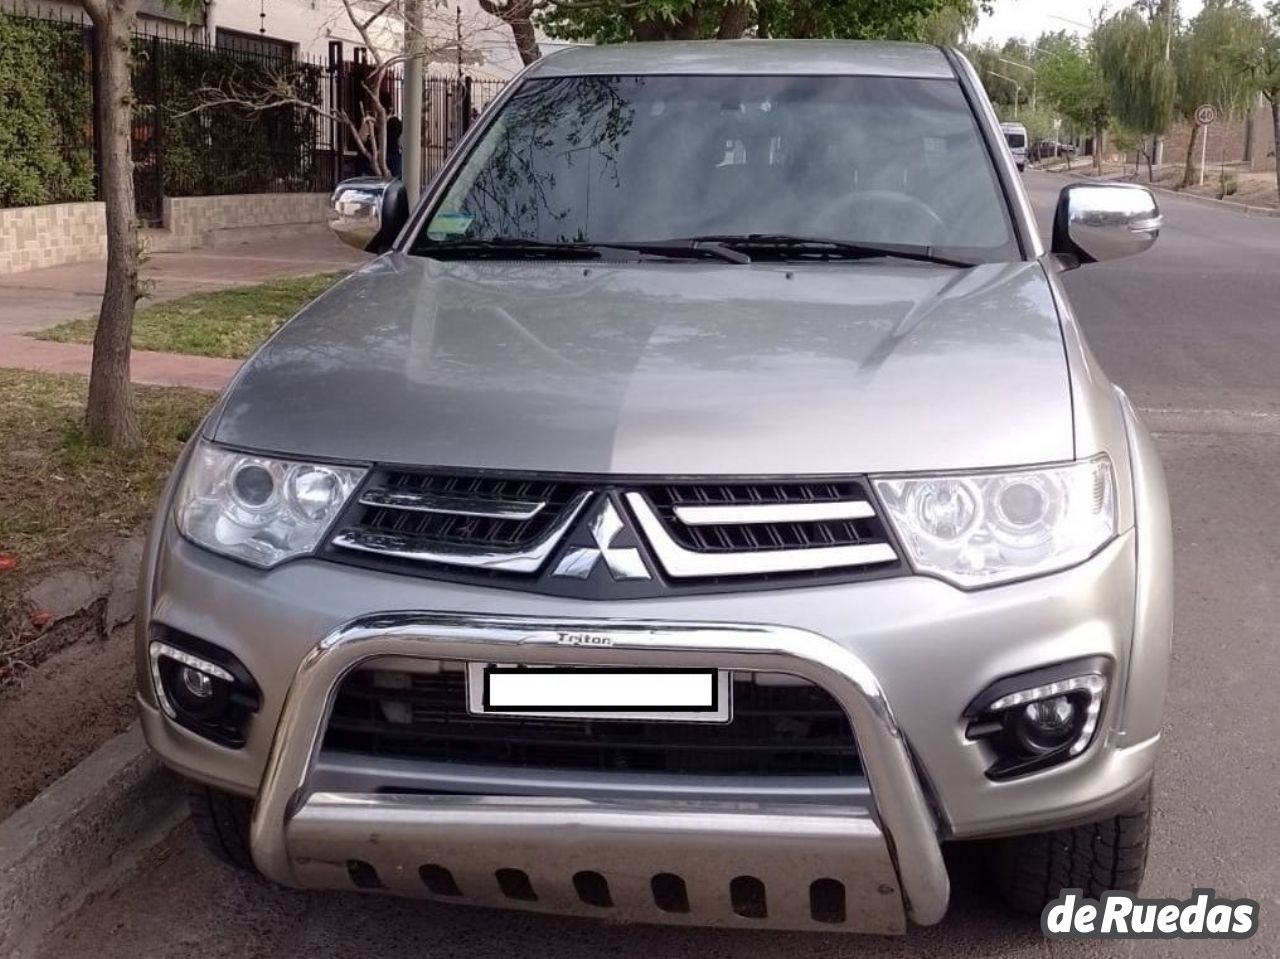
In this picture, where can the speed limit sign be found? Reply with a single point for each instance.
(1206, 114)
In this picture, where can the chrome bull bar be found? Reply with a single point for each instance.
(310, 839)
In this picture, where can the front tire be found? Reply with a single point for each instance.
(1031, 871)
(222, 822)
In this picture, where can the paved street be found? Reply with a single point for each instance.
(1192, 329)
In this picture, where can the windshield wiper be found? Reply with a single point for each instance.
(789, 246)
(507, 247)
(693, 248)
(511, 247)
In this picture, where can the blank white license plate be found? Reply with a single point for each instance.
(572, 692)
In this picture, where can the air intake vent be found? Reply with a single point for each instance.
(793, 729)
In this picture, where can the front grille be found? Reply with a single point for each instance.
(733, 537)
(695, 535)
(794, 729)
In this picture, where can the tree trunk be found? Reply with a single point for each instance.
(1275, 133)
(518, 15)
(526, 40)
(1099, 131)
(109, 416)
(1189, 170)
(734, 20)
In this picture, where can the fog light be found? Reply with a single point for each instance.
(1040, 718)
(1045, 725)
(206, 690)
(198, 684)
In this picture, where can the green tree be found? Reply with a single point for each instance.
(1210, 59)
(948, 26)
(1008, 71)
(1131, 49)
(1071, 82)
(602, 21)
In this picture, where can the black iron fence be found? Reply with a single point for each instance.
(211, 121)
(451, 105)
(208, 118)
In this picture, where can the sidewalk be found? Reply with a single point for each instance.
(42, 298)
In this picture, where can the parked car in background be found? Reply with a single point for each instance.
(1015, 135)
(704, 510)
(1048, 149)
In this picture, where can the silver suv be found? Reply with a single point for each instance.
(703, 510)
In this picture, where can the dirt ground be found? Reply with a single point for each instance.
(1252, 188)
(53, 716)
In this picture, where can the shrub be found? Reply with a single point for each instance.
(46, 153)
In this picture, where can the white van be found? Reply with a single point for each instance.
(1015, 134)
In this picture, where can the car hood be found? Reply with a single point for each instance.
(656, 367)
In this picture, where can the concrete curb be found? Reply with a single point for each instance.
(1242, 208)
(79, 835)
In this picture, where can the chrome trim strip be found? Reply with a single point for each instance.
(680, 562)
(773, 512)
(403, 547)
(517, 510)
(901, 809)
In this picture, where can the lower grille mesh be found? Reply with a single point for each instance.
(776, 730)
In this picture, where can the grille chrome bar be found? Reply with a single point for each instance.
(681, 562)
(528, 560)
(773, 513)
(518, 510)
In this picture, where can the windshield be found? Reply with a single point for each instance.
(616, 159)
(1016, 140)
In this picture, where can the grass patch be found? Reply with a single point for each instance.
(61, 498)
(227, 323)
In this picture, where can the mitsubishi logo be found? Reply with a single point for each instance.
(624, 562)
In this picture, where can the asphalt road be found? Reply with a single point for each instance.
(1192, 330)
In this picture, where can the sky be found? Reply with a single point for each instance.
(1030, 18)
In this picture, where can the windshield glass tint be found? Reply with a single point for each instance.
(643, 158)
(1016, 139)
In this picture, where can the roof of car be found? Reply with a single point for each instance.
(782, 57)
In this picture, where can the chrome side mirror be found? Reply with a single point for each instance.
(368, 212)
(1103, 221)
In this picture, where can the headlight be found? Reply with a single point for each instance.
(258, 509)
(989, 528)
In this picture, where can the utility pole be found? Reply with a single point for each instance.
(1017, 89)
(1035, 77)
(411, 132)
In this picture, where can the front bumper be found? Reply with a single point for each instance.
(311, 840)
(902, 656)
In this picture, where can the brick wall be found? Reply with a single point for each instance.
(194, 221)
(1226, 141)
(36, 236)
